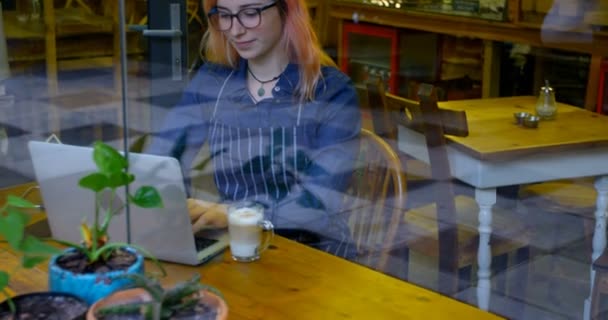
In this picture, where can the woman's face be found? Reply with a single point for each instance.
(257, 43)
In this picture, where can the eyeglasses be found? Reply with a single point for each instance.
(249, 18)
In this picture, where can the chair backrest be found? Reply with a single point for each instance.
(384, 126)
(428, 119)
(375, 199)
(362, 95)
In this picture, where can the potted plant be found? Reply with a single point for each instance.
(90, 270)
(13, 221)
(149, 300)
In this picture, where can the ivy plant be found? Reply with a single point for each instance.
(111, 174)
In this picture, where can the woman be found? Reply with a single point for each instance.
(281, 121)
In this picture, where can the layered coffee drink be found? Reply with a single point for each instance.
(247, 227)
(245, 232)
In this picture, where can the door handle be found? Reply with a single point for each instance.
(162, 33)
(137, 27)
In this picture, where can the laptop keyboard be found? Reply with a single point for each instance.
(202, 243)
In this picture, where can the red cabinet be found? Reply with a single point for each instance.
(404, 58)
(369, 52)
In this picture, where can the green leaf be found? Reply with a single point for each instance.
(302, 160)
(120, 179)
(33, 246)
(29, 262)
(147, 197)
(277, 147)
(179, 146)
(12, 226)
(278, 191)
(79, 247)
(107, 159)
(139, 144)
(18, 202)
(309, 200)
(201, 165)
(94, 181)
(3, 279)
(315, 170)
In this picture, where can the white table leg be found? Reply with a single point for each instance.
(485, 198)
(599, 234)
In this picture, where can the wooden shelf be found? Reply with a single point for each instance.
(520, 32)
(582, 39)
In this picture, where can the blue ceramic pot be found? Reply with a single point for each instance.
(91, 287)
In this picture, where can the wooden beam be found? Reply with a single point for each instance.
(593, 80)
(491, 70)
(514, 10)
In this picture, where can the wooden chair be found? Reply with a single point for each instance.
(375, 200)
(380, 114)
(447, 229)
(384, 115)
(66, 26)
(193, 8)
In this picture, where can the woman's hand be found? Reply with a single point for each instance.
(205, 214)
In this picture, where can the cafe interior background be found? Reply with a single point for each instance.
(62, 68)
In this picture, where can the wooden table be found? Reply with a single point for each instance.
(499, 153)
(290, 281)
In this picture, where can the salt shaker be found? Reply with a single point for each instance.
(546, 107)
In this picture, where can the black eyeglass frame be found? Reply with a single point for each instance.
(214, 11)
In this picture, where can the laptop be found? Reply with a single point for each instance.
(164, 232)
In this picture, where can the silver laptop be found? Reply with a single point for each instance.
(165, 232)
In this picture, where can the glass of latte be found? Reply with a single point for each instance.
(249, 233)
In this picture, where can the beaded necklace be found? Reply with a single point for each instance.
(261, 90)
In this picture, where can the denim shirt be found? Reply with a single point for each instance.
(294, 157)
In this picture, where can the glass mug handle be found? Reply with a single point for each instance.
(266, 226)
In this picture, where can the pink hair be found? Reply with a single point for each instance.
(299, 39)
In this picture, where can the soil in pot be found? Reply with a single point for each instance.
(45, 306)
(200, 311)
(76, 262)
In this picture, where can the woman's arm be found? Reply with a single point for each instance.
(184, 129)
(320, 191)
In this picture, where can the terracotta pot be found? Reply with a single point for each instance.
(140, 295)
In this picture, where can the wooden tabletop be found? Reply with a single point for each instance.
(494, 135)
(291, 281)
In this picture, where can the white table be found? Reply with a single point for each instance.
(499, 153)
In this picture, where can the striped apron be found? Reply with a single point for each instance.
(263, 164)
